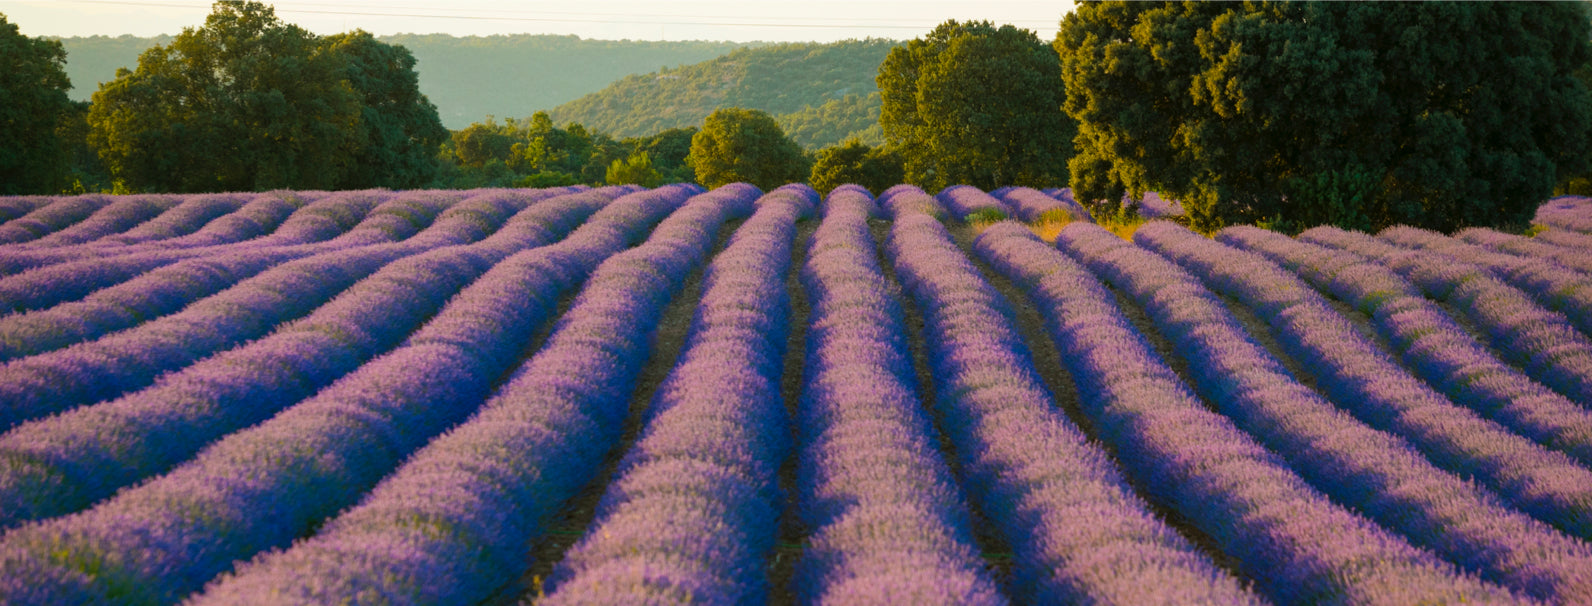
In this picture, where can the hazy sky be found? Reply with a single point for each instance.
(774, 20)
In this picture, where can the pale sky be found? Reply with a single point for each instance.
(771, 20)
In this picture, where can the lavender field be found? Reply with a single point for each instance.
(631, 396)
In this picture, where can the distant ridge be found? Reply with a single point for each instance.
(822, 93)
(468, 77)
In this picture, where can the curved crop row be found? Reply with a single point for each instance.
(969, 203)
(1436, 347)
(1553, 286)
(1564, 238)
(1541, 342)
(1566, 212)
(694, 505)
(120, 215)
(1064, 195)
(887, 520)
(259, 488)
(63, 463)
(1526, 247)
(1077, 530)
(13, 207)
(190, 214)
(452, 524)
(54, 216)
(1032, 205)
(1378, 474)
(1358, 376)
(1152, 206)
(85, 270)
(125, 361)
(1294, 542)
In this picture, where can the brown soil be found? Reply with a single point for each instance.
(792, 534)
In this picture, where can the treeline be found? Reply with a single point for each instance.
(1287, 115)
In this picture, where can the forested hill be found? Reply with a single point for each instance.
(468, 77)
(821, 92)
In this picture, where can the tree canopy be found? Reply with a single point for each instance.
(975, 104)
(854, 162)
(33, 105)
(738, 144)
(248, 102)
(1301, 113)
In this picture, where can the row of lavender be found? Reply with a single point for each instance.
(354, 404)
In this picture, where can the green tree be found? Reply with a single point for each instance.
(245, 102)
(33, 106)
(974, 104)
(400, 128)
(636, 169)
(668, 150)
(745, 145)
(1362, 115)
(875, 168)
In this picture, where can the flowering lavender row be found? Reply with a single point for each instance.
(695, 503)
(1541, 342)
(1431, 343)
(1566, 212)
(58, 214)
(1152, 206)
(1361, 378)
(83, 270)
(1522, 246)
(128, 360)
(12, 207)
(1553, 286)
(166, 289)
(1377, 473)
(965, 200)
(1030, 204)
(259, 488)
(120, 215)
(1055, 498)
(63, 463)
(452, 524)
(909, 198)
(887, 521)
(1564, 238)
(189, 215)
(263, 213)
(1064, 195)
(1298, 546)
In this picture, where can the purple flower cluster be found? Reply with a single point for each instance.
(1526, 247)
(1553, 285)
(1152, 206)
(131, 359)
(1573, 241)
(1031, 204)
(120, 215)
(1541, 342)
(1364, 380)
(966, 201)
(1431, 342)
(906, 197)
(1064, 195)
(45, 220)
(259, 488)
(60, 464)
(1077, 530)
(887, 521)
(693, 507)
(1573, 213)
(13, 207)
(1378, 474)
(189, 215)
(1297, 545)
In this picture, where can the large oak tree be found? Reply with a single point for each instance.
(1302, 113)
(33, 105)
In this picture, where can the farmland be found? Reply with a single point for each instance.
(623, 395)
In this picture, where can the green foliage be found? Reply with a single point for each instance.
(974, 104)
(1358, 114)
(637, 169)
(401, 131)
(745, 145)
(875, 168)
(778, 79)
(246, 102)
(33, 107)
(668, 150)
(986, 216)
(489, 154)
(836, 120)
